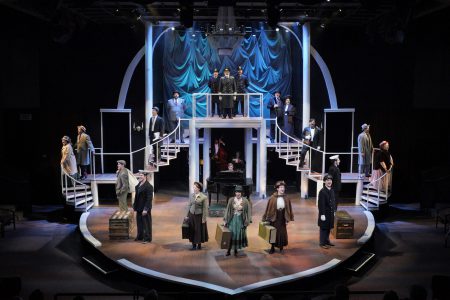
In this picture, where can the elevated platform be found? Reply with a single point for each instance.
(168, 257)
(236, 122)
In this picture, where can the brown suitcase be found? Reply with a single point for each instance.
(223, 236)
(120, 225)
(185, 231)
(343, 225)
(267, 232)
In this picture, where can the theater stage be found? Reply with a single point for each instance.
(168, 257)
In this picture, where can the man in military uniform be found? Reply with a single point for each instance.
(143, 208)
(327, 208)
(213, 84)
(241, 85)
(335, 172)
(227, 85)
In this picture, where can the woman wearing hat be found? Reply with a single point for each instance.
(279, 213)
(383, 163)
(197, 212)
(68, 160)
(237, 218)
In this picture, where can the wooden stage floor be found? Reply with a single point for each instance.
(168, 256)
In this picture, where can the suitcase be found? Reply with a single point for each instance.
(343, 225)
(120, 225)
(267, 232)
(223, 236)
(185, 231)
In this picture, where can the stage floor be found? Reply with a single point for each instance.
(168, 256)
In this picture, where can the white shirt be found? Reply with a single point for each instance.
(280, 203)
(153, 123)
(313, 131)
(216, 148)
(286, 108)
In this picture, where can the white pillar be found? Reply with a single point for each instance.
(148, 83)
(206, 160)
(193, 155)
(248, 153)
(359, 191)
(261, 166)
(306, 55)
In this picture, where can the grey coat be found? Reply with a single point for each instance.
(365, 147)
(83, 145)
(246, 213)
(198, 205)
(122, 183)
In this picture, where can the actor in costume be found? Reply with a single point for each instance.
(238, 162)
(279, 213)
(68, 161)
(383, 164)
(175, 110)
(122, 185)
(213, 85)
(275, 107)
(227, 85)
(83, 146)
(289, 113)
(219, 156)
(365, 148)
(327, 208)
(197, 211)
(335, 173)
(155, 132)
(237, 217)
(311, 137)
(143, 207)
(241, 85)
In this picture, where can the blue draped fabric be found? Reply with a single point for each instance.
(189, 61)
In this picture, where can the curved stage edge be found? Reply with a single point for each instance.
(168, 257)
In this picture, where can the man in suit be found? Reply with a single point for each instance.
(311, 137)
(327, 208)
(122, 185)
(275, 107)
(335, 172)
(175, 110)
(155, 132)
(365, 148)
(143, 208)
(83, 146)
(241, 86)
(213, 85)
(227, 85)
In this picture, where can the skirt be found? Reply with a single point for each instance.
(198, 231)
(281, 238)
(238, 234)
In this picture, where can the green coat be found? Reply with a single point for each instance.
(122, 182)
(198, 205)
(246, 213)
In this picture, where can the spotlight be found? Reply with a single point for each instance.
(340, 10)
(172, 28)
(253, 34)
(230, 29)
(277, 29)
(193, 35)
(286, 30)
(322, 25)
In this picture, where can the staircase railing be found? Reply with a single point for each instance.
(67, 190)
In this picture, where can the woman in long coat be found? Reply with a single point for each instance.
(197, 211)
(237, 218)
(68, 161)
(278, 213)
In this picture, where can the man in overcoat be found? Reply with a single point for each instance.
(84, 144)
(327, 209)
(365, 148)
(227, 85)
(213, 85)
(122, 185)
(311, 137)
(175, 110)
(143, 208)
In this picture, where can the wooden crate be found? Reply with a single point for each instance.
(120, 225)
(343, 225)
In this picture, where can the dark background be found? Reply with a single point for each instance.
(47, 88)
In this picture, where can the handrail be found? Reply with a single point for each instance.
(65, 175)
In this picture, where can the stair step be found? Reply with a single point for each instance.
(79, 201)
(82, 208)
(368, 206)
(375, 193)
(76, 188)
(374, 200)
(169, 157)
(289, 156)
(77, 195)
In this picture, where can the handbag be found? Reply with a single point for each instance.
(185, 230)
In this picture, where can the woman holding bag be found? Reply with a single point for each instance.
(197, 211)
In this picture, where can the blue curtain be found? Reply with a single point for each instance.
(188, 63)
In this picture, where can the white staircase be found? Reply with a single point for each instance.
(373, 197)
(76, 193)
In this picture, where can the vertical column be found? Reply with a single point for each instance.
(193, 155)
(248, 153)
(306, 55)
(148, 82)
(206, 160)
(262, 161)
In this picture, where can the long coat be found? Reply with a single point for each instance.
(122, 182)
(276, 112)
(227, 86)
(83, 145)
(159, 127)
(336, 174)
(68, 161)
(175, 110)
(365, 147)
(246, 213)
(213, 84)
(144, 197)
(198, 205)
(289, 113)
(271, 209)
(327, 207)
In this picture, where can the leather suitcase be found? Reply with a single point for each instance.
(185, 231)
(223, 236)
(267, 232)
(343, 225)
(120, 225)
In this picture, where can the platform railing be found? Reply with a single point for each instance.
(67, 190)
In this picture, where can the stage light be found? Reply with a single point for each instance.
(277, 29)
(253, 34)
(340, 10)
(230, 29)
(221, 29)
(322, 25)
(173, 28)
(193, 35)
(286, 30)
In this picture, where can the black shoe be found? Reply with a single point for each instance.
(272, 250)
(137, 239)
(231, 117)
(281, 250)
(199, 247)
(330, 244)
(228, 253)
(224, 117)
(325, 246)
(235, 252)
(145, 241)
(194, 247)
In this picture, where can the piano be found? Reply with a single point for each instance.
(225, 182)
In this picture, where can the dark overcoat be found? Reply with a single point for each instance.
(327, 207)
